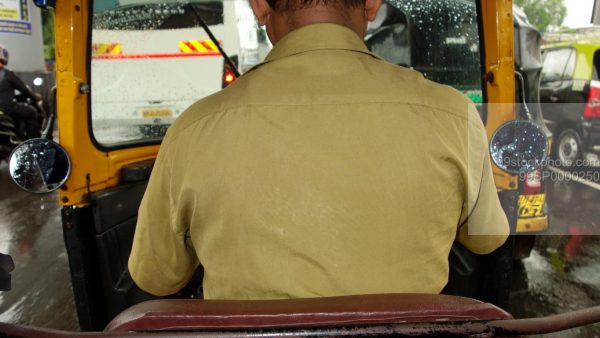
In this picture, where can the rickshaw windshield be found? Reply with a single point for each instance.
(440, 39)
(150, 60)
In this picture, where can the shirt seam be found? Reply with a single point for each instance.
(175, 137)
(320, 49)
(296, 53)
(470, 212)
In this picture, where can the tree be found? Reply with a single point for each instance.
(48, 33)
(544, 14)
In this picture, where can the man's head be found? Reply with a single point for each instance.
(291, 5)
(283, 16)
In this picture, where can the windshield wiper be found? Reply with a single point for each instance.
(214, 40)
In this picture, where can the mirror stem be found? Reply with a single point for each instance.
(519, 76)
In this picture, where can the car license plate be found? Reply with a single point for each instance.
(157, 112)
(531, 205)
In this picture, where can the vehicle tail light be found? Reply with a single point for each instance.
(532, 184)
(228, 76)
(592, 107)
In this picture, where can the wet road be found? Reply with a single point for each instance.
(562, 273)
(31, 232)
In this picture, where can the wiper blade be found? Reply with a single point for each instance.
(214, 40)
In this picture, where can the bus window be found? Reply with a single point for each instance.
(437, 38)
(150, 60)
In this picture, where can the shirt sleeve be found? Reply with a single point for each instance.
(485, 226)
(161, 262)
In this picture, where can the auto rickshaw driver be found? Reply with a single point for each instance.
(303, 179)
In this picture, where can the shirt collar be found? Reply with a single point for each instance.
(320, 36)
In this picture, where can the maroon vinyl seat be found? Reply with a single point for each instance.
(227, 315)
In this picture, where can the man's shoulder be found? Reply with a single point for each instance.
(442, 102)
(203, 109)
(247, 90)
(412, 87)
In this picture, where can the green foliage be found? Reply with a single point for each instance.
(48, 33)
(544, 13)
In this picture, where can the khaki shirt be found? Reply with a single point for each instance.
(323, 171)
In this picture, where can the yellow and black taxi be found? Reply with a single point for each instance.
(570, 91)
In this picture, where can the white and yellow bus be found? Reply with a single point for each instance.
(150, 60)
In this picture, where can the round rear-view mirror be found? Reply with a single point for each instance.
(519, 147)
(39, 166)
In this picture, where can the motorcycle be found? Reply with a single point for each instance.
(12, 131)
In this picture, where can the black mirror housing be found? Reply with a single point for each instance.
(39, 166)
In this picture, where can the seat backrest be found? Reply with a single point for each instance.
(210, 315)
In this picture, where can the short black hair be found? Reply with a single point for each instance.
(291, 5)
